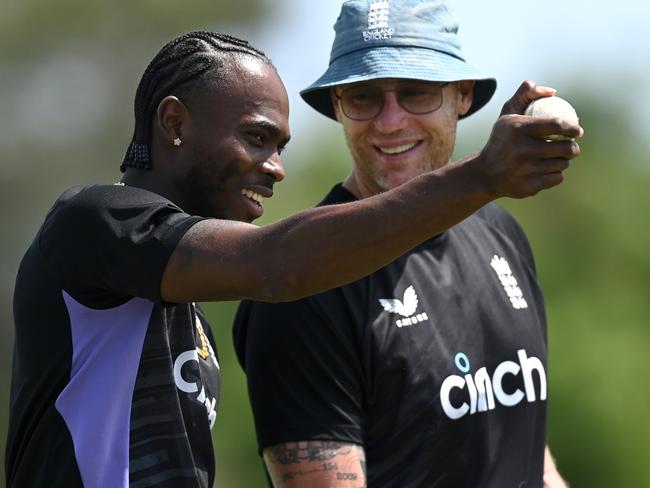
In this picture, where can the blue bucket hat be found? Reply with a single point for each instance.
(416, 39)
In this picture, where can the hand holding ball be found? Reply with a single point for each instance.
(553, 107)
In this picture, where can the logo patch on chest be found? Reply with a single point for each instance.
(484, 391)
(406, 307)
(509, 282)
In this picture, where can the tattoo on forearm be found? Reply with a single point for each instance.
(289, 475)
(362, 460)
(296, 452)
(299, 461)
(346, 476)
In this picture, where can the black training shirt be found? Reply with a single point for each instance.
(436, 363)
(111, 387)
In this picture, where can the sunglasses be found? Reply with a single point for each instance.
(365, 102)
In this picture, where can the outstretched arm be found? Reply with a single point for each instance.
(325, 247)
(317, 464)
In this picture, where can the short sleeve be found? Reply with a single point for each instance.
(498, 218)
(304, 367)
(108, 241)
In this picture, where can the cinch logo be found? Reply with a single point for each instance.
(378, 28)
(483, 390)
(192, 356)
(406, 308)
(508, 281)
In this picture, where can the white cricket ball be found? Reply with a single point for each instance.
(553, 107)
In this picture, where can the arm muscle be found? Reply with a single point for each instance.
(316, 464)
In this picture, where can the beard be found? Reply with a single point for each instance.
(378, 177)
(205, 187)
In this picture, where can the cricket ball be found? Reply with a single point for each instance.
(553, 107)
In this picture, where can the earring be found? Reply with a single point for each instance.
(177, 142)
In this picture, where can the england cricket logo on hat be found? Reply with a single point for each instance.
(378, 27)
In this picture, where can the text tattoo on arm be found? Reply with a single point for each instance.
(297, 452)
(307, 459)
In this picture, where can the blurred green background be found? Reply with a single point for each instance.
(68, 73)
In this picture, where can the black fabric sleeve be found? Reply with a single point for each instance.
(497, 217)
(109, 243)
(304, 367)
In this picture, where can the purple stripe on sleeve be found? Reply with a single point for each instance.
(96, 403)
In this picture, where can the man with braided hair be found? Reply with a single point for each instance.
(115, 377)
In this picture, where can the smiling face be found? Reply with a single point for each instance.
(233, 139)
(395, 146)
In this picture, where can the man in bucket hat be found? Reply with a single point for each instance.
(432, 370)
(116, 378)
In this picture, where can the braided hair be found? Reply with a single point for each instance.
(192, 60)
